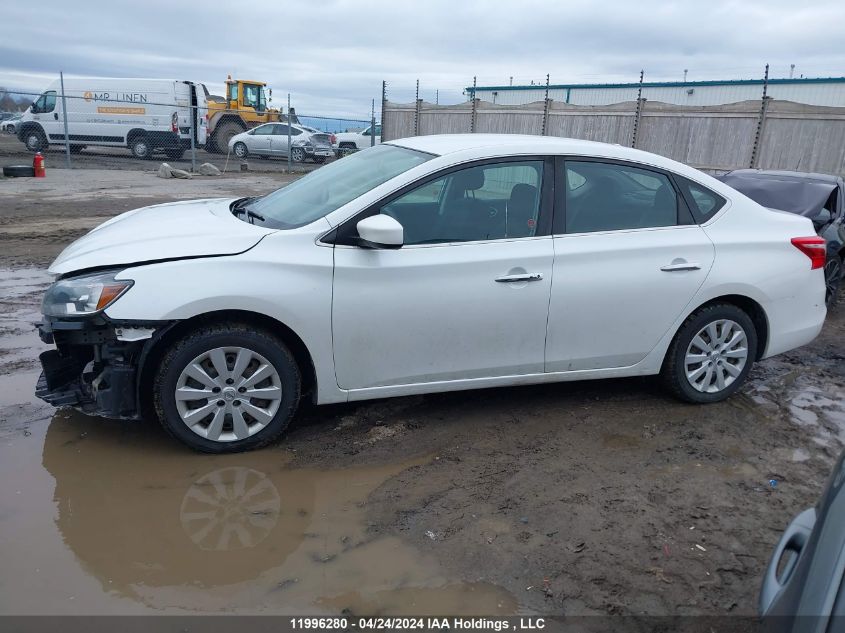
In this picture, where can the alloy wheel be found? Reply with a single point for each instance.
(228, 394)
(716, 356)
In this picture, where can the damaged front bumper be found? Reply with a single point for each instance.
(96, 365)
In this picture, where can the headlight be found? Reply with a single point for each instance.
(82, 296)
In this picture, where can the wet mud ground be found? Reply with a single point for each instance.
(579, 498)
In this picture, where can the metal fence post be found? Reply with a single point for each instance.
(638, 113)
(383, 110)
(373, 125)
(474, 106)
(193, 113)
(290, 164)
(546, 103)
(761, 121)
(417, 110)
(64, 116)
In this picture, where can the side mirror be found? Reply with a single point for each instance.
(380, 231)
(821, 218)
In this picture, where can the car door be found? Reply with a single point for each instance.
(467, 294)
(628, 260)
(260, 139)
(279, 140)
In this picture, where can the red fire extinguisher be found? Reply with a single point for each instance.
(38, 165)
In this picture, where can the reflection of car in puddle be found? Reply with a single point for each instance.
(230, 508)
(239, 532)
(133, 511)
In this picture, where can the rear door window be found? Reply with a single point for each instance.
(612, 197)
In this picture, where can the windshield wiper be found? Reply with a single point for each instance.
(239, 206)
(252, 215)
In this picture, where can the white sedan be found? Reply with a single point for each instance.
(271, 139)
(424, 265)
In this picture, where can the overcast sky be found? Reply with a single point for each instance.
(332, 55)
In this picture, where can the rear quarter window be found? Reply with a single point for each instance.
(703, 203)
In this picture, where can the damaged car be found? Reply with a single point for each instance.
(820, 197)
(424, 265)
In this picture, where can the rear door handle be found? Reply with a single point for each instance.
(509, 279)
(673, 267)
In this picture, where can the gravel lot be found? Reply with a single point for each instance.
(580, 498)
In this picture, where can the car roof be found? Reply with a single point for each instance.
(784, 174)
(442, 144)
(495, 145)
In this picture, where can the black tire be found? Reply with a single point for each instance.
(297, 155)
(19, 171)
(832, 280)
(140, 147)
(240, 150)
(208, 338)
(35, 140)
(175, 154)
(673, 373)
(223, 133)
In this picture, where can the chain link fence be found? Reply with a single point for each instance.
(92, 123)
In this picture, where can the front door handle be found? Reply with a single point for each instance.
(56, 116)
(510, 279)
(676, 266)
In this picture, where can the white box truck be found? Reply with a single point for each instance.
(143, 115)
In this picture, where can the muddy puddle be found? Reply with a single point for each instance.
(98, 516)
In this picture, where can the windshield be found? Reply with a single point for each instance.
(329, 188)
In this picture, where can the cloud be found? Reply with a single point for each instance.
(332, 56)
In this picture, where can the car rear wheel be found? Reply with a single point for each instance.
(832, 280)
(240, 150)
(140, 148)
(226, 389)
(711, 355)
(297, 154)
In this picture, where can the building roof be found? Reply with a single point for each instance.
(670, 84)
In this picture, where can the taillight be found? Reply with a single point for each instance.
(174, 122)
(333, 139)
(813, 247)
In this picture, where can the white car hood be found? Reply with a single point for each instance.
(194, 228)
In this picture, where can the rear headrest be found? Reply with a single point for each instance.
(468, 180)
(523, 194)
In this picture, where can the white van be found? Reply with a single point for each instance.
(143, 115)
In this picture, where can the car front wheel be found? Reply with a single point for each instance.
(240, 150)
(711, 355)
(227, 388)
